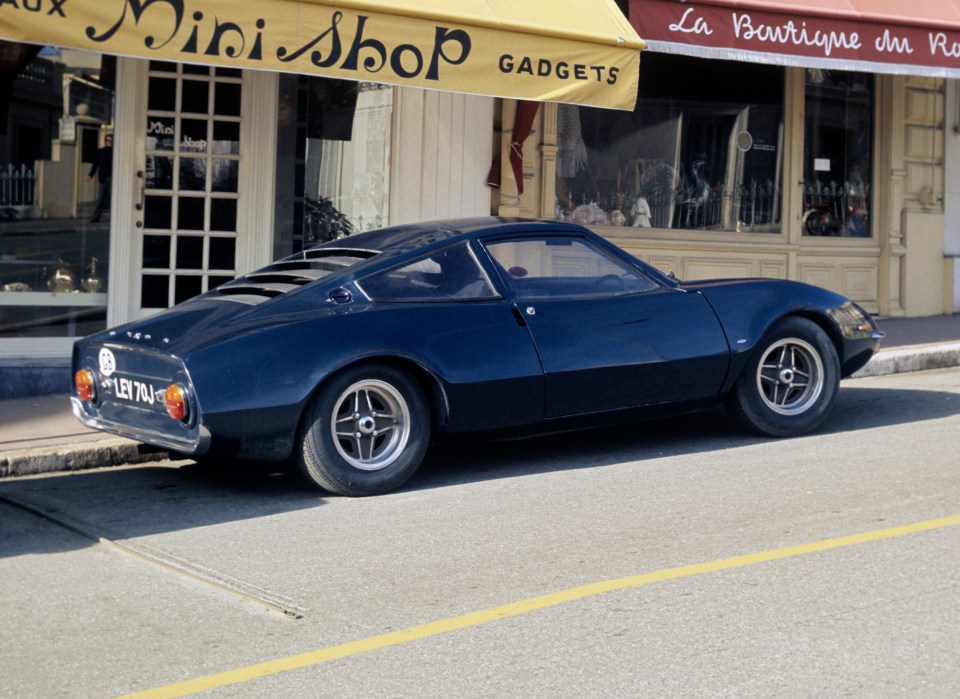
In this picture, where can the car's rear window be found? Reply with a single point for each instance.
(452, 273)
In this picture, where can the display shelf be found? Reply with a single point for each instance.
(49, 298)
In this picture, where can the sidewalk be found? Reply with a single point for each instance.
(41, 435)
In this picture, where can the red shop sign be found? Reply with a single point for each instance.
(873, 35)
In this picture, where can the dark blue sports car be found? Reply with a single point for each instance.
(354, 355)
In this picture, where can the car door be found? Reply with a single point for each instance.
(609, 337)
(443, 312)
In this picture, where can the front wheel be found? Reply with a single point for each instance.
(365, 432)
(789, 385)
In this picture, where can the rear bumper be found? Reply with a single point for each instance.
(195, 445)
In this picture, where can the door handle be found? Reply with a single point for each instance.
(141, 185)
(141, 192)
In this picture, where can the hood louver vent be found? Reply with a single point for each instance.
(290, 273)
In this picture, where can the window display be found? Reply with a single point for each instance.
(333, 160)
(703, 150)
(56, 156)
(838, 142)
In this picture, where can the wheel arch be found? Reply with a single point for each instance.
(820, 318)
(742, 357)
(431, 385)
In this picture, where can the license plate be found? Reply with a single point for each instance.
(137, 391)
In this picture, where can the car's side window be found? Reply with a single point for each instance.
(453, 273)
(558, 266)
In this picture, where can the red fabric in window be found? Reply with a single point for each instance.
(522, 126)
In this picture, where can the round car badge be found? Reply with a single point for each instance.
(108, 363)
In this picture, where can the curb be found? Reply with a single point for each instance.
(919, 358)
(99, 454)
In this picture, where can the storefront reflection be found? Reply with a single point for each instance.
(53, 277)
(53, 258)
(333, 160)
(699, 152)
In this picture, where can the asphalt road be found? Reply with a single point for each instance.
(668, 559)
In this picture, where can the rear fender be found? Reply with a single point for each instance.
(433, 387)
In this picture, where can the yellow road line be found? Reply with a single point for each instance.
(435, 628)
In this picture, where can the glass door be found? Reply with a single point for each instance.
(189, 187)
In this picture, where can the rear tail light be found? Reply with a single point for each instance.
(86, 384)
(178, 406)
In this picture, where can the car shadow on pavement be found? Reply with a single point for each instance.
(126, 503)
(855, 409)
(129, 502)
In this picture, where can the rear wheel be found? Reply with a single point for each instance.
(365, 432)
(789, 385)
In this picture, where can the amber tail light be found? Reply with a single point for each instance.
(178, 406)
(86, 384)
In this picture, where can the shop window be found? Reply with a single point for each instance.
(56, 158)
(703, 150)
(838, 144)
(333, 160)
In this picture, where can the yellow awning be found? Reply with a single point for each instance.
(547, 50)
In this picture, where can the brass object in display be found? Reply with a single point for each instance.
(92, 283)
(62, 279)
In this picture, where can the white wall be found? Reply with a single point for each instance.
(441, 155)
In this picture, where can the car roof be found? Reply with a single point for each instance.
(369, 252)
(404, 238)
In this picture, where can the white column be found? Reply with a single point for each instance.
(951, 198)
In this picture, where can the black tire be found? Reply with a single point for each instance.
(790, 383)
(365, 432)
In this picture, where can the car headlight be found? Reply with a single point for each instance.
(853, 321)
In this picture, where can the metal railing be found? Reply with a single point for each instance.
(18, 185)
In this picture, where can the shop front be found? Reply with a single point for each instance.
(152, 151)
(772, 139)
